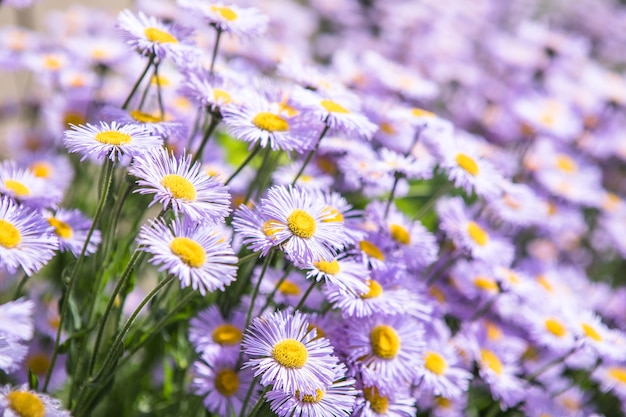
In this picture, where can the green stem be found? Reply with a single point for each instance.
(306, 295)
(310, 155)
(107, 169)
(432, 200)
(20, 286)
(550, 364)
(246, 400)
(396, 179)
(215, 46)
(215, 120)
(255, 150)
(270, 297)
(136, 86)
(255, 292)
(159, 97)
(257, 178)
(259, 402)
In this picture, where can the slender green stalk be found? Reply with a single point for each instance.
(255, 292)
(252, 154)
(306, 295)
(270, 297)
(215, 46)
(20, 286)
(136, 86)
(159, 97)
(107, 169)
(310, 155)
(215, 120)
(257, 178)
(432, 200)
(246, 400)
(259, 402)
(550, 364)
(392, 194)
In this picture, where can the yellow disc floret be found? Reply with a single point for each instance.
(301, 224)
(385, 341)
(334, 107)
(41, 169)
(226, 12)
(378, 403)
(10, 236)
(489, 359)
(290, 353)
(18, 188)
(26, 404)
(618, 374)
(226, 382)
(144, 117)
(180, 187)
(375, 290)
(371, 250)
(113, 137)
(468, 164)
(189, 251)
(62, 229)
(591, 333)
(159, 36)
(555, 327)
(270, 122)
(289, 288)
(435, 363)
(400, 234)
(330, 268)
(310, 399)
(227, 334)
(477, 233)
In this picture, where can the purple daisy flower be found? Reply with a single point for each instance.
(210, 332)
(12, 353)
(16, 320)
(26, 239)
(190, 251)
(71, 227)
(185, 187)
(245, 22)
(373, 403)
(285, 353)
(24, 402)
(23, 186)
(109, 140)
(251, 227)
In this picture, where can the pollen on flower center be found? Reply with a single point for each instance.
(159, 36)
(226, 382)
(270, 122)
(330, 268)
(375, 290)
(618, 373)
(385, 341)
(555, 327)
(400, 234)
(332, 215)
(289, 288)
(334, 107)
(566, 164)
(417, 112)
(17, 187)
(310, 399)
(301, 224)
(486, 284)
(290, 353)
(378, 403)
(591, 332)
(227, 334)
(113, 137)
(26, 404)
(180, 187)
(435, 363)
(477, 233)
(189, 251)
(491, 361)
(10, 237)
(62, 229)
(271, 227)
(41, 169)
(468, 164)
(144, 117)
(371, 250)
(226, 12)
(38, 363)
(222, 96)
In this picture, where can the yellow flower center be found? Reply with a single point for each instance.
(371, 250)
(330, 268)
(332, 215)
(374, 290)
(591, 333)
(159, 36)
(189, 251)
(468, 164)
(10, 237)
(618, 373)
(301, 224)
(74, 118)
(477, 233)
(227, 382)
(41, 169)
(486, 284)
(226, 12)
(442, 402)
(62, 229)
(144, 117)
(334, 107)
(38, 363)
(387, 128)
(159, 80)
(385, 341)
(270, 122)
(221, 95)
(566, 164)
(491, 361)
(511, 201)
(271, 227)
(310, 399)
(289, 288)
(18, 188)
(227, 334)
(543, 281)
(180, 187)
(435, 363)
(400, 234)
(319, 331)
(378, 403)
(26, 404)
(437, 294)
(113, 137)
(493, 331)
(555, 327)
(290, 353)
(52, 62)
(417, 112)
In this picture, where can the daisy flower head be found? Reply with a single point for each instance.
(154, 124)
(178, 184)
(151, 37)
(285, 353)
(245, 22)
(20, 401)
(71, 228)
(190, 251)
(23, 186)
(467, 169)
(612, 377)
(52, 167)
(109, 140)
(258, 121)
(388, 348)
(210, 332)
(343, 273)
(213, 92)
(12, 354)
(497, 366)
(440, 373)
(16, 320)
(338, 113)
(251, 227)
(221, 383)
(336, 400)
(373, 403)
(302, 226)
(26, 239)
